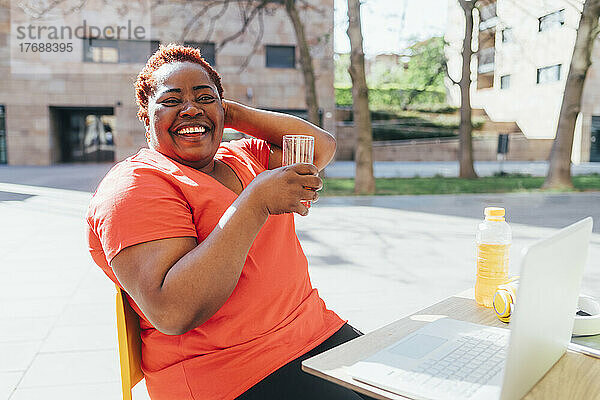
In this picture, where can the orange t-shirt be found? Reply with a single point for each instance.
(273, 315)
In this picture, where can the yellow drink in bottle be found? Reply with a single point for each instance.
(493, 241)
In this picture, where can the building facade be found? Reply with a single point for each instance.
(521, 65)
(86, 111)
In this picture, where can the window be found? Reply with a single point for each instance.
(505, 82)
(595, 139)
(100, 51)
(486, 59)
(2, 134)
(281, 56)
(548, 74)
(488, 16)
(488, 11)
(507, 35)
(551, 20)
(118, 51)
(207, 49)
(84, 133)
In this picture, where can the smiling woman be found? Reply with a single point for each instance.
(200, 234)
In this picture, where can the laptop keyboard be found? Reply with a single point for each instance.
(472, 363)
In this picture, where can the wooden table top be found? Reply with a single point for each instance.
(575, 376)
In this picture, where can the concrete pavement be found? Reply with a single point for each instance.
(373, 259)
(551, 210)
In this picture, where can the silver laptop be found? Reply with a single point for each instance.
(450, 359)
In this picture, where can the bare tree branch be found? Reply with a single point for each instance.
(257, 42)
(213, 20)
(192, 21)
(309, 6)
(38, 13)
(246, 6)
(77, 7)
(246, 21)
(454, 82)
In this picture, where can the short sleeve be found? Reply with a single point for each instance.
(258, 148)
(138, 206)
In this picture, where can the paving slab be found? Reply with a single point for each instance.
(72, 368)
(551, 210)
(9, 382)
(94, 391)
(17, 356)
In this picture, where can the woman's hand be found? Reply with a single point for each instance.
(281, 190)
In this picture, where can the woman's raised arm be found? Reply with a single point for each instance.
(272, 126)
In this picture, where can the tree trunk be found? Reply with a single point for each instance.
(559, 171)
(308, 72)
(364, 182)
(465, 153)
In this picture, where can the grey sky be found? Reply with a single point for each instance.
(389, 26)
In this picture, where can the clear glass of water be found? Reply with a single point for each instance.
(298, 148)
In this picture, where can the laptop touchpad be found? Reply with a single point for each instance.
(418, 346)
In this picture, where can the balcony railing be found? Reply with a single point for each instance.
(486, 58)
(485, 68)
(488, 23)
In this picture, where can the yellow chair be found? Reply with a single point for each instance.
(130, 344)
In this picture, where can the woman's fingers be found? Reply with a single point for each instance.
(309, 194)
(304, 169)
(301, 209)
(316, 197)
(313, 182)
(284, 189)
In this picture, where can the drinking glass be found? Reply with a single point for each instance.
(298, 148)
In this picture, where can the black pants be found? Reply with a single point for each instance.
(291, 383)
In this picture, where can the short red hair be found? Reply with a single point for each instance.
(144, 84)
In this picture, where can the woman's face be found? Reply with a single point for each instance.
(185, 115)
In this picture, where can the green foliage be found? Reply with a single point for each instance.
(390, 98)
(432, 108)
(343, 97)
(385, 70)
(442, 185)
(341, 75)
(396, 82)
(425, 69)
(408, 92)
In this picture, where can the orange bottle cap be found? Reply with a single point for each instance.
(494, 212)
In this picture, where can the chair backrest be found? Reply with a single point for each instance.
(130, 344)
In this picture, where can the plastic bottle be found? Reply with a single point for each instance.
(493, 241)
